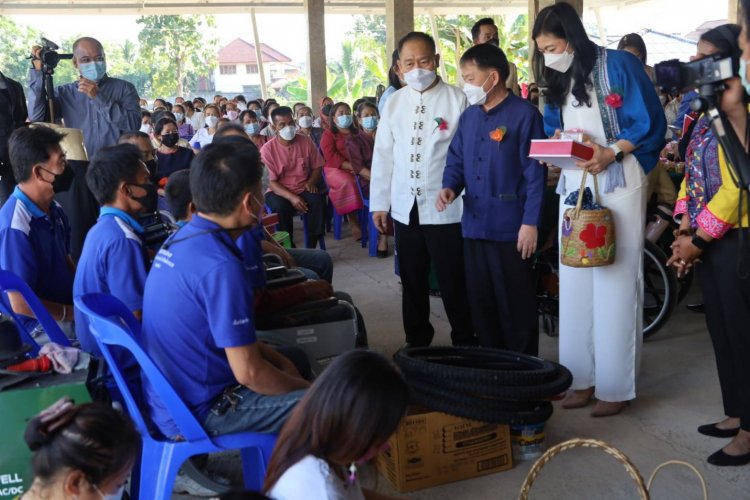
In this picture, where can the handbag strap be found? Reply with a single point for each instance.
(579, 203)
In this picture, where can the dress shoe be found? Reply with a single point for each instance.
(713, 431)
(578, 399)
(382, 254)
(607, 409)
(698, 308)
(724, 459)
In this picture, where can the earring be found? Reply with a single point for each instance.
(353, 473)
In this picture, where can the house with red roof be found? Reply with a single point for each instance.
(238, 71)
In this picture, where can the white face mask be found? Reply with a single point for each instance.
(559, 62)
(212, 121)
(419, 79)
(663, 99)
(476, 94)
(305, 121)
(145, 128)
(288, 133)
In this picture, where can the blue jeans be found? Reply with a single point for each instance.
(315, 260)
(253, 413)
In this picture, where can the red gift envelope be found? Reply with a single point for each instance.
(561, 153)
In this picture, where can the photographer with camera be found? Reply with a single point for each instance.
(101, 106)
(712, 211)
(13, 115)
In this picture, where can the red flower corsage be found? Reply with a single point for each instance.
(441, 124)
(498, 134)
(613, 100)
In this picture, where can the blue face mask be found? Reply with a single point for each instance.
(370, 122)
(344, 121)
(179, 117)
(94, 70)
(258, 113)
(743, 74)
(252, 128)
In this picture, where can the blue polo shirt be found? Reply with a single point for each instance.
(35, 246)
(198, 301)
(504, 187)
(113, 261)
(252, 256)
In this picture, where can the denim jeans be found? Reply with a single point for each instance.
(253, 413)
(315, 260)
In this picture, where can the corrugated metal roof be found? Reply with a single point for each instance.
(662, 46)
(239, 51)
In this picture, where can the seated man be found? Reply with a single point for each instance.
(143, 142)
(34, 230)
(114, 259)
(198, 324)
(294, 170)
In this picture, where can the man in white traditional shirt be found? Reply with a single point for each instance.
(416, 128)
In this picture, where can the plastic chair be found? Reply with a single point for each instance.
(112, 324)
(369, 231)
(9, 282)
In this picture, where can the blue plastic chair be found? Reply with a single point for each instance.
(369, 231)
(9, 282)
(112, 324)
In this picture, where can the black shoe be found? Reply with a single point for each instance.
(723, 459)
(697, 308)
(382, 254)
(713, 431)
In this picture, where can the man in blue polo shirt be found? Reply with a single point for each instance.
(34, 231)
(114, 260)
(504, 188)
(198, 323)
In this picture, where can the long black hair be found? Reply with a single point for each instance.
(561, 21)
(634, 41)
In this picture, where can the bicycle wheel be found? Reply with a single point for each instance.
(660, 289)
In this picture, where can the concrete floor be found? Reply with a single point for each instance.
(678, 390)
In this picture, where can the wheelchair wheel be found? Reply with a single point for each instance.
(660, 289)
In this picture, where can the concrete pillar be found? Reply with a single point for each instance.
(317, 84)
(399, 20)
(735, 12)
(259, 56)
(534, 7)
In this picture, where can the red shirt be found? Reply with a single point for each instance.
(291, 165)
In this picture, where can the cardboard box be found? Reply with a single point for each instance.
(561, 153)
(431, 448)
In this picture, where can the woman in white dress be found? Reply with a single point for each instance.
(345, 419)
(607, 94)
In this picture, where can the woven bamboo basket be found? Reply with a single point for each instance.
(587, 236)
(641, 487)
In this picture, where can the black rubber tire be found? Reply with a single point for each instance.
(510, 393)
(485, 410)
(478, 365)
(655, 256)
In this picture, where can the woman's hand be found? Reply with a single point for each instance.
(684, 255)
(603, 158)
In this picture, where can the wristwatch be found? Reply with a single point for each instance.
(619, 155)
(699, 242)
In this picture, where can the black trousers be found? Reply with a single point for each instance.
(315, 215)
(418, 245)
(727, 301)
(501, 296)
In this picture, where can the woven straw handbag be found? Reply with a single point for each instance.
(587, 236)
(641, 487)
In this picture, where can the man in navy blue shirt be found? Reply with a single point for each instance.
(503, 189)
(34, 231)
(198, 323)
(114, 260)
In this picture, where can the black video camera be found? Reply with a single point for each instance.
(708, 71)
(50, 57)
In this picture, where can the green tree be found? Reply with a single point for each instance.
(176, 48)
(16, 42)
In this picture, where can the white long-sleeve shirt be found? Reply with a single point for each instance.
(410, 153)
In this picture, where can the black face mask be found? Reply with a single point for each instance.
(169, 140)
(150, 200)
(152, 167)
(494, 41)
(62, 181)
